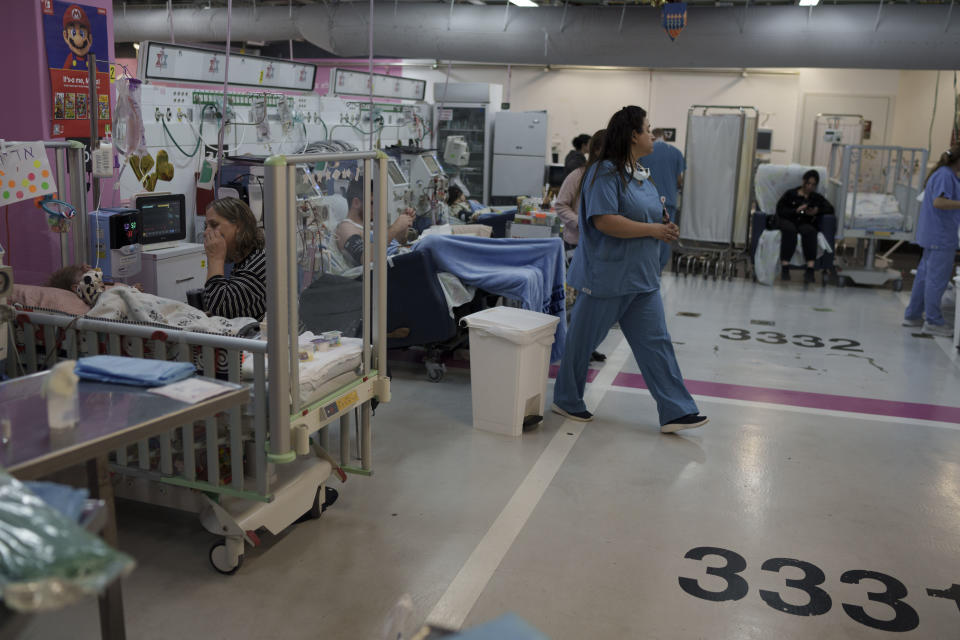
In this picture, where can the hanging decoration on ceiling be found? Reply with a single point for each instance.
(674, 17)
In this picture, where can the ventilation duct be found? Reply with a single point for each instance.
(849, 36)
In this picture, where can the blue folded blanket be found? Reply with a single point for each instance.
(132, 371)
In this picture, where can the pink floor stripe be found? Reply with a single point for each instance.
(913, 410)
(410, 356)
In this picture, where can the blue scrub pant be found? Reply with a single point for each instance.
(933, 276)
(641, 319)
(664, 247)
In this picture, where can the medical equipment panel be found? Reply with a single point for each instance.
(163, 218)
(115, 241)
(831, 130)
(429, 185)
(400, 196)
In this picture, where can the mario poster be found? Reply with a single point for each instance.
(73, 31)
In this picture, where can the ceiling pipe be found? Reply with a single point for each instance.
(910, 37)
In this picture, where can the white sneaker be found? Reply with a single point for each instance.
(937, 330)
(912, 322)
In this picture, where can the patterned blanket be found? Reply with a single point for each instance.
(130, 305)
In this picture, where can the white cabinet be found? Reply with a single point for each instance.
(171, 272)
(520, 133)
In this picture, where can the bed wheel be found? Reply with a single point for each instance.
(435, 371)
(898, 285)
(219, 559)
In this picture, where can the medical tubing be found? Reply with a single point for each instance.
(169, 133)
(226, 79)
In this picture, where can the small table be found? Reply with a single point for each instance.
(111, 416)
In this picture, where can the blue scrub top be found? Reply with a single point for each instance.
(666, 163)
(604, 266)
(937, 228)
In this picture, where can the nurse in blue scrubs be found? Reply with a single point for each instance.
(616, 270)
(937, 233)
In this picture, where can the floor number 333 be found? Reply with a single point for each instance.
(902, 617)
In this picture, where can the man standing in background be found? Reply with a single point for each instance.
(666, 165)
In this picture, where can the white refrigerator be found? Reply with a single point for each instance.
(519, 154)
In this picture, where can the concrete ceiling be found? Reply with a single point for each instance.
(851, 35)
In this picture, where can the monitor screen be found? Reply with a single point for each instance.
(765, 140)
(163, 218)
(432, 165)
(555, 174)
(396, 176)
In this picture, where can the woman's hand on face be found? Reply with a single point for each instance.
(215, 244)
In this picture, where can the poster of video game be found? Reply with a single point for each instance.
(72, 31)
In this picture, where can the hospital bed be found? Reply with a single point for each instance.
(874, 190)
(770, 183)
(256, 467)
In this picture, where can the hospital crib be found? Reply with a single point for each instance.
(714, 214)
(256, 467)
(204, 467)
(874, 190)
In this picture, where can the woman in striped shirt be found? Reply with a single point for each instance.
(232, 235)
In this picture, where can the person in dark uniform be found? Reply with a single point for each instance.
(799, 212)
(578, 155)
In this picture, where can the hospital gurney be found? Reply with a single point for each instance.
(256, 467)
(874, 190)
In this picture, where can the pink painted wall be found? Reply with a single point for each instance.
(32, 249)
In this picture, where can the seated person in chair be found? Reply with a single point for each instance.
(799, 211)
(349, 238)
(232, 235)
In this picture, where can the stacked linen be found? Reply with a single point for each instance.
(324, 372)
(875, 211)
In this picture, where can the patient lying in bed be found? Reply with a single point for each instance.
(130, 304)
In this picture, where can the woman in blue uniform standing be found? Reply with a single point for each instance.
(937, 234)
(616, 270)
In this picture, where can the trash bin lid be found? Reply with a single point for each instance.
(516, 325)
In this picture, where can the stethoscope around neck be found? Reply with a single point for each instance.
(640, 172)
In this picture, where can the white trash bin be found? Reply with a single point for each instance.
(509, 365)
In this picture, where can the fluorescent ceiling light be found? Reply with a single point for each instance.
(479, 2)
(809, 3)
(524, 3)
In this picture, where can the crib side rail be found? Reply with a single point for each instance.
(223, 454)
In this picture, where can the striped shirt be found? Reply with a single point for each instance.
(243, 294)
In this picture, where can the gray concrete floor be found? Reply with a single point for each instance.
(601, 553)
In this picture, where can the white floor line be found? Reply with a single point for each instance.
(854, 415)
(945, 343)
(462, 594)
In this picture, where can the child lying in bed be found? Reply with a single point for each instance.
(83, 280)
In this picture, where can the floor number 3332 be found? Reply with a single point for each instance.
(799, 340)
(902, 617)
